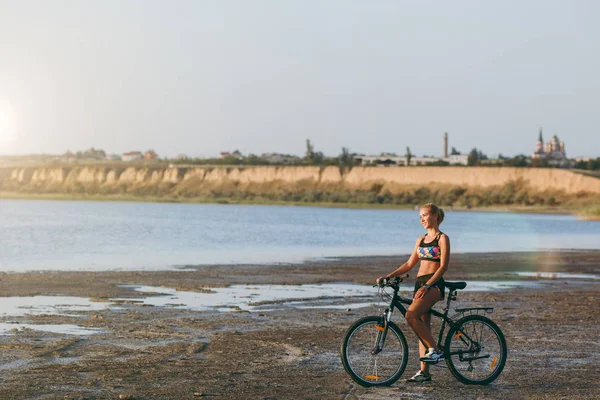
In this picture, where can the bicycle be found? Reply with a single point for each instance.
(374, 351)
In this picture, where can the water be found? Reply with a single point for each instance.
(557, 275)
(65, 235)
(64, 329)
(241, 297)
(262, 297)
(246, 297)
(49, 305)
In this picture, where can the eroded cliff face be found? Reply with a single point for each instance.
(94, 179)
(537, 178)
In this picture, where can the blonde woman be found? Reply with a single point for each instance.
(433, 250)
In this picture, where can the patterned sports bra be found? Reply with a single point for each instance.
(429, 251)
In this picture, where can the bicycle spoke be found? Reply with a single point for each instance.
(480, 338)
(483, 350)
(369, 360)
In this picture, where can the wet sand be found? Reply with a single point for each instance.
(281, 351)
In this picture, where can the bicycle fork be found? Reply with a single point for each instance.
(381, 332)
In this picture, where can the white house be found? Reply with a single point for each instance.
(388, 159)
(462, 159)
(276, 158)
(132, 156)
(113, 157)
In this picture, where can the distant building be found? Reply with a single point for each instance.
(453, 159)
(150, 155)
(272, 158)
(236, 154)
(461, 159)
(276, 158)
(87, 155)
(92, 154)
(69, 157)
(392, 159)
(383, 160)
(131, 156)
(445, 144)
(386, 160)
(553, 151)
(113, 157)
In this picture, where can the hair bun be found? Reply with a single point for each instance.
(436, 210)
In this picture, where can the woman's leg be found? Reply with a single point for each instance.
(426, 318)
(419, 308)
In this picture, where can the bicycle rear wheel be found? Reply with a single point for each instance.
(480, 350)
(382, 368)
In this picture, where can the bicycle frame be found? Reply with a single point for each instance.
(399, 301)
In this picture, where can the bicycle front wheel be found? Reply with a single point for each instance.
(367, 364)
(475, 350)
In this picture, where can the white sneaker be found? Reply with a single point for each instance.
(432, 357)
(420, 377)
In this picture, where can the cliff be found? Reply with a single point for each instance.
(270, 181)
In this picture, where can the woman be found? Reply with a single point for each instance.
(433, 250)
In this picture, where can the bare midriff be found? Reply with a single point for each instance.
(428, 267)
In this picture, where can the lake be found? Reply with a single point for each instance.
(81, 235)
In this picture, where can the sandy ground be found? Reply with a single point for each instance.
(281, 351)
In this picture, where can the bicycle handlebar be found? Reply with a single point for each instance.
(387, 282)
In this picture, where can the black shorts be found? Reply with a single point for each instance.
(422, 280)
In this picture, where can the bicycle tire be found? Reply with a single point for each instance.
(491, 357)
(366, 369)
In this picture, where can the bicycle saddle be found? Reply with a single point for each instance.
(455, 285)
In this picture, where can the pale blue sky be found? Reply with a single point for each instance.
(199, 77)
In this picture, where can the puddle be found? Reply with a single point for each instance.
(248, 297)
(6, 328)
(255, 297)
(557, 275)
(351, 306)
(234, 298)
(46, 305)
(54, 305)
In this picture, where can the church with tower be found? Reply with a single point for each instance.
(552, 151)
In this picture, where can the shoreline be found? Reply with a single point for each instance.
(169, 352)
(225, 201)
(458, 258)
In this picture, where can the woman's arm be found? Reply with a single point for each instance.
(407, 266)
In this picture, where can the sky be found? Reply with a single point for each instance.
(201, 77)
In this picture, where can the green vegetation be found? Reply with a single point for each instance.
(590, 165)
(476, 157)
(513, 196)
(591, 212)
(156, 182)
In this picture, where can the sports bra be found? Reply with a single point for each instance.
(429, 251)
